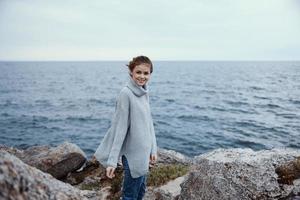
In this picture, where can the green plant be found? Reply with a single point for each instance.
(162, 174)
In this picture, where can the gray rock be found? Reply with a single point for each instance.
(150, 194)
(169, 191)
(237, 174)
(21, 181)
(172, 157)
(57, 161)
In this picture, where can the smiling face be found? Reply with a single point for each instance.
(141, 74)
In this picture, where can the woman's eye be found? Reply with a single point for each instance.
(146, 73)
(138, 72)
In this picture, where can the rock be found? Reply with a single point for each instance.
(169, 191)
(150, 194)
(92, 169)
(288, 172)
(172, 189)
(21, 181)
(57, 161)
(238, 174)
(172, 157)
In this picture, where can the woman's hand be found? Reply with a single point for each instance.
(153, 158)
(110, 172)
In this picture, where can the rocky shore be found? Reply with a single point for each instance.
(63, 172)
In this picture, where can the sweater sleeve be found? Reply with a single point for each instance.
(120, 124)
(154, 145)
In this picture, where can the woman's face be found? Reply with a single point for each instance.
(141, 74)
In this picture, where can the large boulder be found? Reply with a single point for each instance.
(21, 181)
(236, 174)
(57, 161)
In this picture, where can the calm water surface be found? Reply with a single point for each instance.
(196, 106)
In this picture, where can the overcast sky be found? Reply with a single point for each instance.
(160, 29)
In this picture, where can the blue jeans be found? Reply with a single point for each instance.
(133, 188)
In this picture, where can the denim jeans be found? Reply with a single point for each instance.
(133, 188)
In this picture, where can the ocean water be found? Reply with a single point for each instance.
(196, 106)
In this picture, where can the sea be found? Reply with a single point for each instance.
(197, 106)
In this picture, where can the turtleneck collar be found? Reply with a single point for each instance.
(136, 89)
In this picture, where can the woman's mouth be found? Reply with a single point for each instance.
(141, 81)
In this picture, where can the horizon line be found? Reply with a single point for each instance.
(153, 60)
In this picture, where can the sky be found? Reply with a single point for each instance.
(159, 29)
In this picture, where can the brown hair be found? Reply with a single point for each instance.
(138, 61)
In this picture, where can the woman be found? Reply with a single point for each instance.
(131, 134)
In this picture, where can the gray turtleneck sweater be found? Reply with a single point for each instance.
(131, 132)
